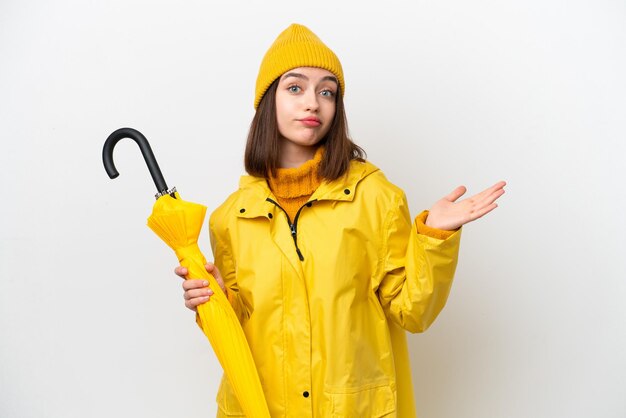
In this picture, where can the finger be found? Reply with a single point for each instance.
(456, 193)
(482, 212)
(194, 284)
(489, 199)
(212, 269)
(483, 194)
(181, 271)
(197, 293)
(496, 187)
(194, 303)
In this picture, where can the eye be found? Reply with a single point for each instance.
(294, 88)
(327, 93)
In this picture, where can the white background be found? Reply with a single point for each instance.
(439, 93)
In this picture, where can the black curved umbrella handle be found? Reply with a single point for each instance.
(146, 151)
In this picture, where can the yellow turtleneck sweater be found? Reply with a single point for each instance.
(294, 186)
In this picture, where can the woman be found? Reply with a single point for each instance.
(317, 253)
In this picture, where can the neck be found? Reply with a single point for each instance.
(293, 187)
(294, 155)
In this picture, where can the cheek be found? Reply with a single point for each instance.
(282, 122)
(329, 115)
(281, 114)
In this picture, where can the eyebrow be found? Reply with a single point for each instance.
(302, 76)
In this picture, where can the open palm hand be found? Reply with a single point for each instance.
(448, 214)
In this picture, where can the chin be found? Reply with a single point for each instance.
(305, 141)
(309, 142)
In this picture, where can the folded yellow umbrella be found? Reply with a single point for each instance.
(178, 224)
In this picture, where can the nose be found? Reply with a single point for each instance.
(311, 100)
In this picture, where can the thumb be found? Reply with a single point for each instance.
(456, 193)
(212, 269)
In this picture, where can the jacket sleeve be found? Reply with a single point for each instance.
(225, 263)
(415, 270)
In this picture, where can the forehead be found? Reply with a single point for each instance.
(309, 73)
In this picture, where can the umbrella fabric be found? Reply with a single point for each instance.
(178, 223)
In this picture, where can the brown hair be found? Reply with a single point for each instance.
(263, 146)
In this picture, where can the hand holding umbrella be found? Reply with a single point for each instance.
(178, 224)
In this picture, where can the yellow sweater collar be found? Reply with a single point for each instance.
(299, 181)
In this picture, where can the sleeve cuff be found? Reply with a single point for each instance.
(423, 229)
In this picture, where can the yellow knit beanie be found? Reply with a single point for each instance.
(295, 47)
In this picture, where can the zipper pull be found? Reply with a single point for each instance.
(293, 229)
(300, 256)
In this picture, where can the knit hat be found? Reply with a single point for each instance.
(295, 47)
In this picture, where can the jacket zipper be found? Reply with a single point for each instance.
(293, 227)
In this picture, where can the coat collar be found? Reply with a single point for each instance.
(255, 191)
(343, 188)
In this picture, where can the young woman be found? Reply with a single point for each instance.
(317, 253)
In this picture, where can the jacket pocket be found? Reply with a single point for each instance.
(365, 402)
(227, 403)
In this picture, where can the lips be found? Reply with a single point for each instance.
(311, 122)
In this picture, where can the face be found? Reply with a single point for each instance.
(305, 105)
